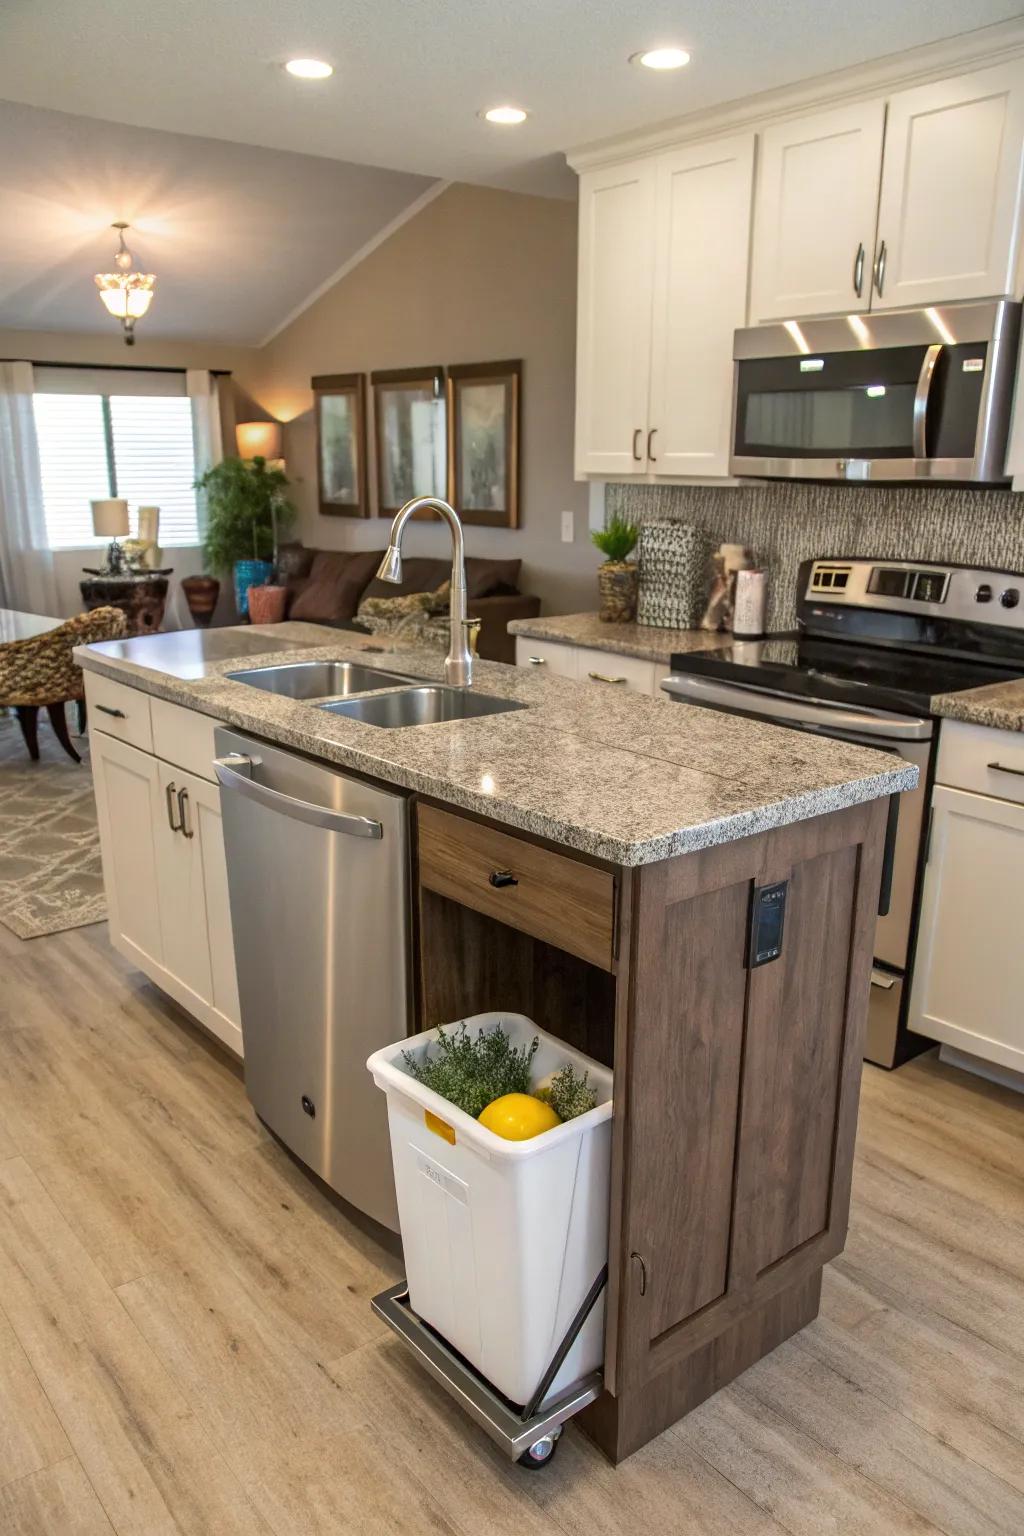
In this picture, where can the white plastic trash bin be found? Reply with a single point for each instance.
(503, 1239)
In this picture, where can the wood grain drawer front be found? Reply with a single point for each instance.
(184, 737)
(978, 758)
(119, 711)
(557, 899)
(616, 673)
(546, 656)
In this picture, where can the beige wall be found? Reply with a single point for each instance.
(108, 348)
(478, 275)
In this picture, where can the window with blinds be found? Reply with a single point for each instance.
(133, 445)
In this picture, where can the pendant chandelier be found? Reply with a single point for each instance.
(126, 294)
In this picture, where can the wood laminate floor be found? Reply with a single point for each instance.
(186, 1343)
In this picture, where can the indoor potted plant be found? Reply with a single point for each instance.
(245, 505)
(617, 578)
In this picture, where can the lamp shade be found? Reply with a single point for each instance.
(258, 439)
(110, 518)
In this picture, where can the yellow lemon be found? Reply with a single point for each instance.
(518, 1116)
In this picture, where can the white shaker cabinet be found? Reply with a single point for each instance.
(950, 205)
(664, 243)
(814, 221)
(613, 354)
(126, 782)
(701, 250)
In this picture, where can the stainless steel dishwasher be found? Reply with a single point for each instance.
(319, 889)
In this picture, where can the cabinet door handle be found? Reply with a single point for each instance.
(602, 677)
(650, 440)
(118, 714)
(182, 803)
(1018, 773)
(500, 878)
(858, 270)
(169, 796)
(538, 661)
(637, 435)
(639, 1258)
(880, 269)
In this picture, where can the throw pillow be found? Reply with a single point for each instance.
(336, 582)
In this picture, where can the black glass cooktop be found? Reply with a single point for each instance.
(869, 675)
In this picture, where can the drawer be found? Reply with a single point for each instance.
(118, 711)
(546, 656)
(978, 758)
(560, 900)
(607, 669)
(184, 738)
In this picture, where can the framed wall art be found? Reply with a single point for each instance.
(483, 442)
(409, 435)
(340, 403)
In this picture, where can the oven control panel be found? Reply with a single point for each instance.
(899, 586)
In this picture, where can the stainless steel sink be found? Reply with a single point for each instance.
(317, 679)
(421, 706)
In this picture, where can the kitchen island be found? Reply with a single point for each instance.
(639, 840)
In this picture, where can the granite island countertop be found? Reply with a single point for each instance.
(642, 640)
(998, 705)
(628, 778)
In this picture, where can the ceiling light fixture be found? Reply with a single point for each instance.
(661, 58)
(126, 294)
(507, 115)
(309, 69)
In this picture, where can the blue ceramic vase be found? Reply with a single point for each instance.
(249, 573)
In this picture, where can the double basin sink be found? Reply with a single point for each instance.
(336, 686)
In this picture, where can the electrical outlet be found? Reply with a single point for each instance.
(568, 527)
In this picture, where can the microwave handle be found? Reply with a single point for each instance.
(921, 398)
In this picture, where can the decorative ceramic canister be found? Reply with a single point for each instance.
(673, 575)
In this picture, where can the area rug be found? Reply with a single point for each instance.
(50, 873)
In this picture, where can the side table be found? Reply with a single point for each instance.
(141, 598)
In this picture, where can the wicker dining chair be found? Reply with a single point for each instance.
(41, 673)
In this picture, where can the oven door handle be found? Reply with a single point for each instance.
(922, 395)
(826, 718)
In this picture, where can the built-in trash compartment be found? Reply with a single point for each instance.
(504, 1241)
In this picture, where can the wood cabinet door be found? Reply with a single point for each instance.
(127, 801)
(702, 241)
(613, 354)
(814, 220)
(949, 211)
(224, 1016)
(969, 973)
(186, 950)
(733, 1150)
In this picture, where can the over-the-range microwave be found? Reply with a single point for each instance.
(922, 395)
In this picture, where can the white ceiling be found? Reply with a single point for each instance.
(238, 236)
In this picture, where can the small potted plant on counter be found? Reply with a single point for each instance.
(618, 577)
(245, 506)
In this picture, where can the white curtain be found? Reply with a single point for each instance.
(201, 388)
(27, 580)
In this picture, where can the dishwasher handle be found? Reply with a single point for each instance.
(287, 805)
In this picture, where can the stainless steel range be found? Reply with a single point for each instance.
(876, 642)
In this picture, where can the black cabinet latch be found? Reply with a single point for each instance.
(767, 919)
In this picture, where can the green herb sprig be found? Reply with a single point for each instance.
(617, 539)
(569, 1094)
(471, 1072)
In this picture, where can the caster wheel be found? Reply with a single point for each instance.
(540, 1454)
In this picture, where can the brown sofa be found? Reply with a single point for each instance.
(326, 586)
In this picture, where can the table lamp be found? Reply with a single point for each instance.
(110, 521)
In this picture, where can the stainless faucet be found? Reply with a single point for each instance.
(458, 664)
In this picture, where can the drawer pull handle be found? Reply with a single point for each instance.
(105, 709)
(500, 878)
(182, 803)
(643, 1272)
(602, 677)
(170, 794)
(1018, 773)
(538, 661)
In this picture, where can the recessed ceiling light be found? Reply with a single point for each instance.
(309, 69)
(507, 115)
(661, 58)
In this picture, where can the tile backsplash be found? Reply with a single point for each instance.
(786, 522)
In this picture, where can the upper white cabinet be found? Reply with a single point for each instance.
(817, 201)
(613, 356)
(664, 244)
(949, 213)
(701, 250)
(905, 201)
